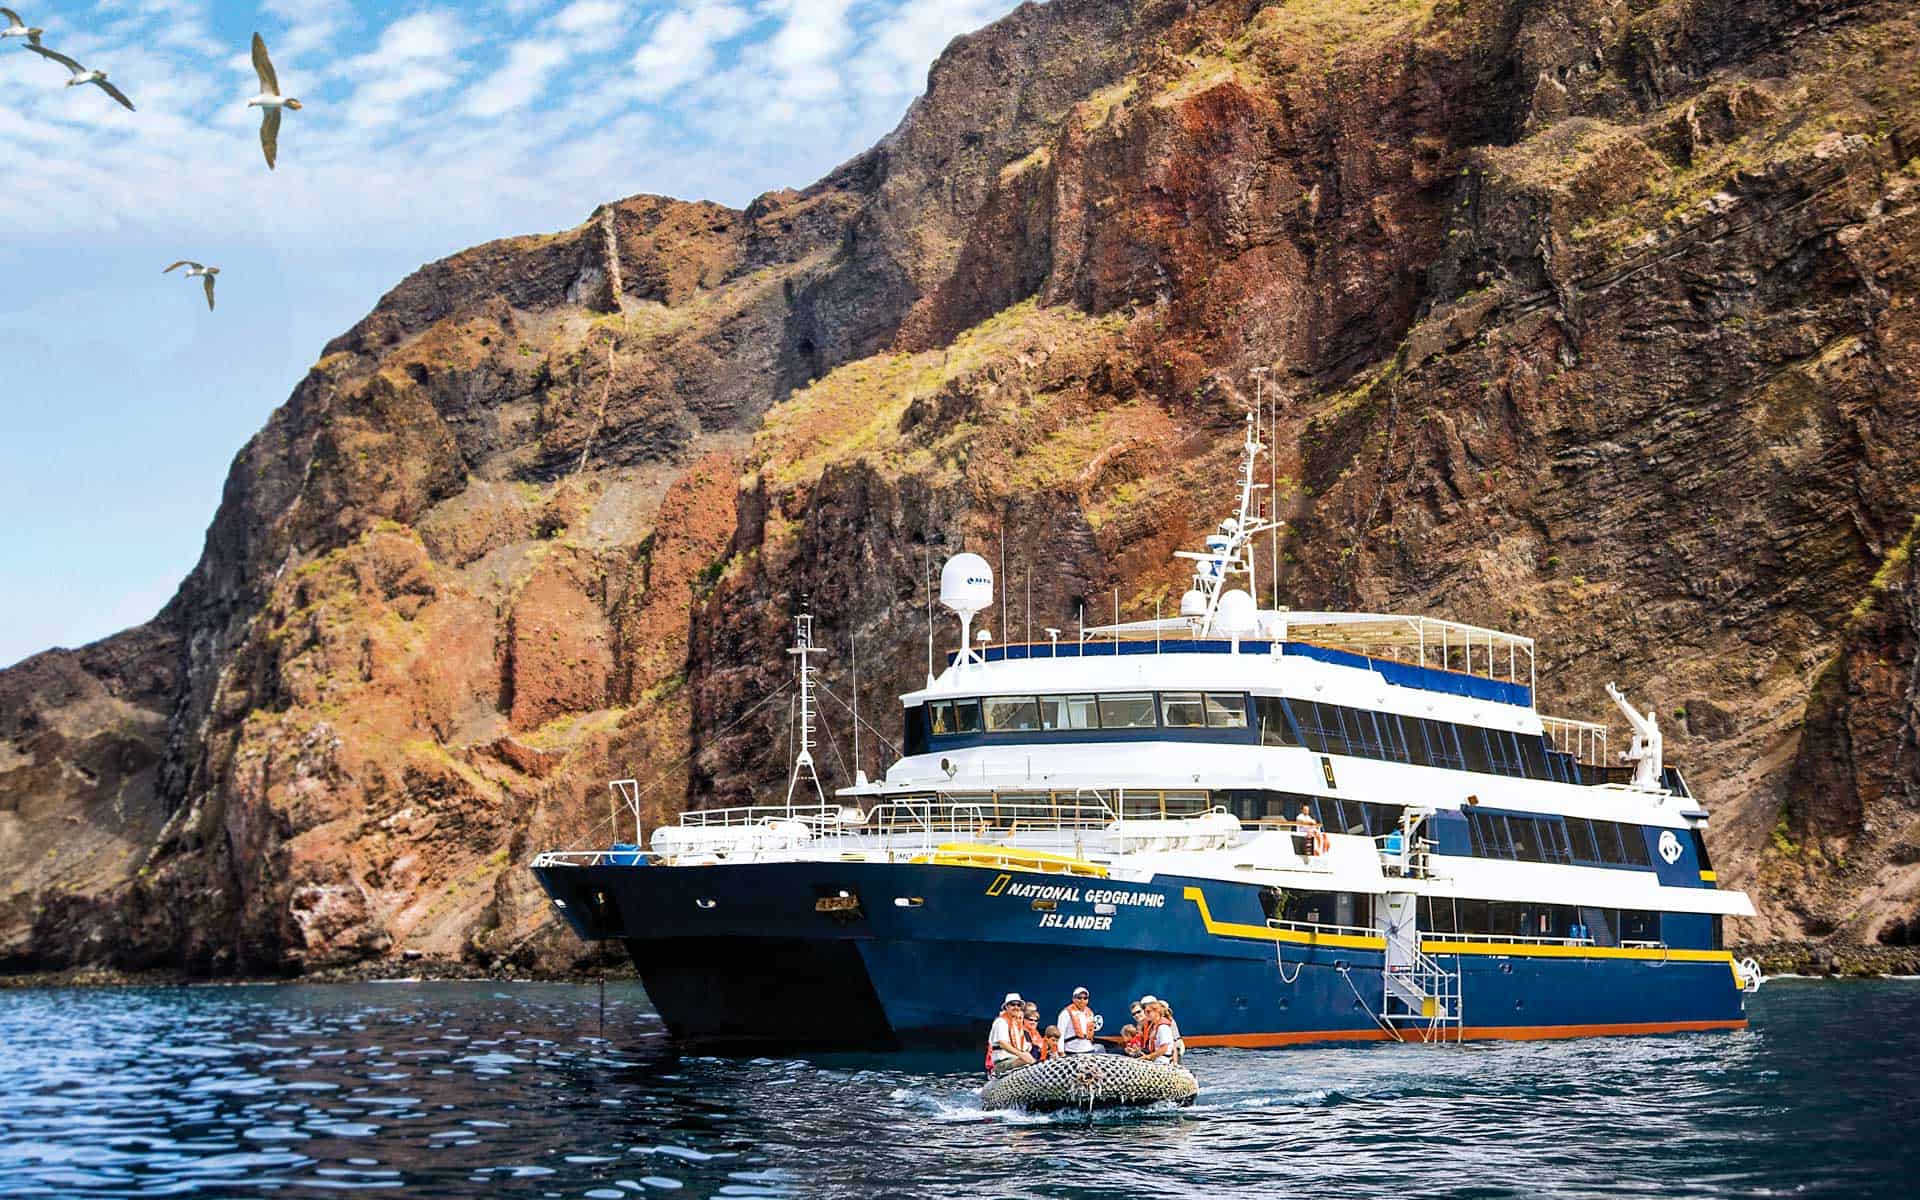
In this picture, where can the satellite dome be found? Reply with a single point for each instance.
(966, 584)
(1237, 613)
(1194, 603)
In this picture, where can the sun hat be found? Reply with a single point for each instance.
(1149, 998)
(1079, 992)
(1012, 998)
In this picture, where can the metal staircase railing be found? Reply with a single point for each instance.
(1425, 993)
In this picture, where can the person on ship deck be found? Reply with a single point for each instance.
(1078, 1023)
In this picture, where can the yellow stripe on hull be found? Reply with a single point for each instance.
(1442, 946)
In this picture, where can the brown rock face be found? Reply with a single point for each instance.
(1591, 320)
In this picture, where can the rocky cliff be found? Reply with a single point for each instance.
(1591, 319)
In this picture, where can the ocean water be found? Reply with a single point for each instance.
(431, 1090)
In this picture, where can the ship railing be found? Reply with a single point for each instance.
(923, 824)
(1585, 740)
(1441, 935)
(1322, 927)
(630, 857)
(816, 817)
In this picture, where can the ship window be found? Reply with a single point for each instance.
(1227, 711)
(1320, 726)
(915, 734)
(1182, 710)
(1275, 729)
(1127, 710)
(1443, 744)
(966, 716)
(1526, 839)
(1581, 831)
(1606, 834)
(1637, 925)
(1633, 839)
(940, 716)
(1503, 753)
(1012, 713)
(1554, 842)
(1473, 748)
(1069, 712)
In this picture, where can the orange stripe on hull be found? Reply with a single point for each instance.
(1516, 1033)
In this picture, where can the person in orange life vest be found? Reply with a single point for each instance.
(1130, 1040)
(1007, 1044)
(1149, 1023)
(1136, 1033)
(1164, 1044)
(1078, 1023)
(1050, 1043)
(1031, 1015)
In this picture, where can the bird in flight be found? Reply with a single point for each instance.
(18, 28)
(81, 74)
(270, 101)
(206, 273)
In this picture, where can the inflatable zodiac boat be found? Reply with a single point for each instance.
(1089, 1081)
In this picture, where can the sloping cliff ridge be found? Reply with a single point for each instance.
(1592, 320)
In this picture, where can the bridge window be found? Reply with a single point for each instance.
(1127, 710)
(1275, 728)
(1012, 713)
(1183, 710)
(1226, 710)
(966, 716)
(1069, 712)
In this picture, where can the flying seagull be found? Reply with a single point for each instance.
(206, 273)
(18, 28)
(81, 74)
(270, 101)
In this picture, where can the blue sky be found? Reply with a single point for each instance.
(428, 127)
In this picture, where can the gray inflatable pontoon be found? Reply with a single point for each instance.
(1089, 1081)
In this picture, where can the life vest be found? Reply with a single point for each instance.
(1036, 1045)
(1144, 1039)
(1082, 1023)
(1016, 1036)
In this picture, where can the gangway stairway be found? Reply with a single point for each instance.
(1421, 992)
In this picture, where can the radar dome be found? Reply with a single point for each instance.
(966, 584)
(1194, 603)
(1237, 613)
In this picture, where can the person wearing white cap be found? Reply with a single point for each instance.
(1078, 1023)
(1007, 1044)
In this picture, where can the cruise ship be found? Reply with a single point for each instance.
(1298, 827)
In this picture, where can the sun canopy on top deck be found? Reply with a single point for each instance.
(1421, 641)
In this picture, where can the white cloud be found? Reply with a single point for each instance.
(589, 16)
(417, 56)
(681, 47)
(520, 82)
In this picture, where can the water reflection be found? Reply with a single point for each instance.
(462, 1089)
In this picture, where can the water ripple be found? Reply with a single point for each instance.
(436, 1090)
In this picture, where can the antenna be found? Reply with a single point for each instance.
(1273, 471)
(853, 644)
(804, 649)
(929, 614)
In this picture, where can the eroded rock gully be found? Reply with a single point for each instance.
(1594, 320)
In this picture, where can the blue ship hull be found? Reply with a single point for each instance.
(922, 954)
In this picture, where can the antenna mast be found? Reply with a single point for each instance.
(1230, 551)
(804, 649)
